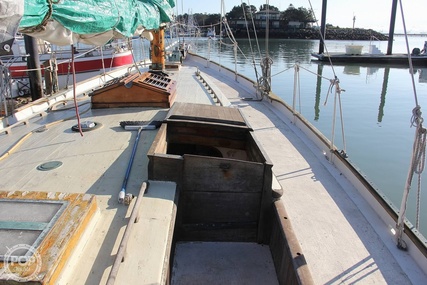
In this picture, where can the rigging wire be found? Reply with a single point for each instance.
(267, 27)
(284, 70)
(74, 91)
(418, 152)
(322, 37)
(130, 46)
(296, 87)
(255, 33)
(267, 61)
(58, 63)
(250, 42)
(223, 19)
(333, 83)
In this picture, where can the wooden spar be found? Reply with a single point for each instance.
(391, 30)
(158, 49)
(323, 27)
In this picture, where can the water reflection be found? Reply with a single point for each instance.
(352, 69)
(318, 92)
(356, 70)
(383, 93)
(422, 78)
(286, 52)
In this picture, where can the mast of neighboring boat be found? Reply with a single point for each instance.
(322, 27)
(391, 29)
(33, 64)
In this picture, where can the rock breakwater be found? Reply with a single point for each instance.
(313, 34)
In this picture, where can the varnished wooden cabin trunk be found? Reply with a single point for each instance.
(136, 90)
(224, 181)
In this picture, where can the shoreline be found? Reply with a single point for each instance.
(313, 34)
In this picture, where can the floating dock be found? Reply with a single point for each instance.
(395, 59)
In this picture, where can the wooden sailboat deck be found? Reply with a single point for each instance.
(342, 239)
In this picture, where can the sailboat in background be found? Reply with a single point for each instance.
(211, 33)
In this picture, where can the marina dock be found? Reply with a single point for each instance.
(393, 59)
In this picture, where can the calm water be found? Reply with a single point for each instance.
(377, 105)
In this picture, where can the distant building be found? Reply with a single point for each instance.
(296, 24)
(240, 24)
(262, 15)
(275, 22)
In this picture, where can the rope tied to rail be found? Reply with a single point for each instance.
(417, 118)
(418, 154)
(416, 167)
(333, 83)
(264, 83)
(419, 149)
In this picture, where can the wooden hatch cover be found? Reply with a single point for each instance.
(207, 114)
(136, 90)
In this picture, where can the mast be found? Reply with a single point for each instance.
(391, 30)
(323, 27)
(158, 49)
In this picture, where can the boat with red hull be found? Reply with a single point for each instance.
(83, 64)
(86, 59)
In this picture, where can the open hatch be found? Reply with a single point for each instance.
(228, 225)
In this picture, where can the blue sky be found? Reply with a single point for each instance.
(373, 14)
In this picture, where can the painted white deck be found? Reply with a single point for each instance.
(213, 263)
(343, 241)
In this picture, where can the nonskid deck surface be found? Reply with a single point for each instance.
(222, 263)
(342, 239)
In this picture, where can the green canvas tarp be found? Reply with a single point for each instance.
(65, 22)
